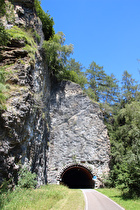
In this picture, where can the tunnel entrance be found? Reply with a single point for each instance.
(77, 177)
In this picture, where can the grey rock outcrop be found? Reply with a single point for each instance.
(77, 133)
(23, 130)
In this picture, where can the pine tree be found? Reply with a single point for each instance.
(95, 76)
(130, 88)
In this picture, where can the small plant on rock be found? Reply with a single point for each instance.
(26, 178)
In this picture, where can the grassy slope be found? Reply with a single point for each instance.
(47, 197)
(116, 195)
(52, 197)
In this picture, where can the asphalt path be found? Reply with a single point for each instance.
(97, 201)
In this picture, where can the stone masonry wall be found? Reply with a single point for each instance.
(77, 132)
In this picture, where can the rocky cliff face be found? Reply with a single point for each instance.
(45, 128)
(78, 134)
(23, 126)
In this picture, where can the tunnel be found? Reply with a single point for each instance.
(77, 177)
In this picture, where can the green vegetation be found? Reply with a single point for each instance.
(25, 196)
(2, 8)
(46, 197)
(125, 139)
(47, 21)
(7, 9)
(26, 178)
(27, 37)
(3, 35)
(56, 53)
(56, 56)
(30, 46)
(3, 89)
(116, 195)
(121, 110)
(76, 69)
(36, 36)
(101, 87)
(10, 16)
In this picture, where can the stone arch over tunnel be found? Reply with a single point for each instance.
(77, 176)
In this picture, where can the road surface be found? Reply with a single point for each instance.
(97, 201)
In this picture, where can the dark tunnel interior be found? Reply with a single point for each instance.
(77, 177)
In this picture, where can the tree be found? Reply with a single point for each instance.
(110, 90)
(109, 97)
(95, 76)
(72, 65)
(125, 142)
(56, 54)
(130, 88)
(101, 87)
(77, 68)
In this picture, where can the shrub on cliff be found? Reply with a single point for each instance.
(3, 89)
(47, 21)
(56, 54)
(26, 36)
(2, 8)
(3, 35)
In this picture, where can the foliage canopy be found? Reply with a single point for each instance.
(47, 21)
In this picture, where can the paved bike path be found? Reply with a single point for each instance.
(97, 201)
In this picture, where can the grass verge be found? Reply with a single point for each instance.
(116, 195)
(47, 197)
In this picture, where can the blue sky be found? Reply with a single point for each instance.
(104, 31)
